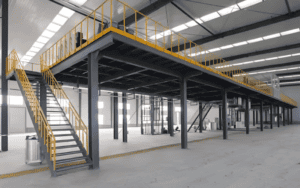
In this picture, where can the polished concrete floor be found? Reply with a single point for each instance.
(261, 159)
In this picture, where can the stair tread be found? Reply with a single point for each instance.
(63, 129)
(68, 153)
(62, 161)
(68, 146)
(72, 167)
(69, 140)
(61, 135)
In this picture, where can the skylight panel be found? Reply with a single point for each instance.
(43, 40)
(248, 62)
(179, 28)
(38, 45)
(60, 20)
(260, 60)
(66, 12)
(271, 36)
(199, 20)
(34, 49)
(191, 23)
(248, 3)
(290, 32)
(48, 34)
(255, 40)
(296, 54)
(30, 54)
(209, 17)
(228, 10)
(53, 27)
(26, 58)
(227, 47)
(214, 50)
(272, 58)
(284, 56)
(78, 2)
(240, 43)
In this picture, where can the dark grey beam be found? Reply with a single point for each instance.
(272, 50)
(243, 29)
(183, 102)
(152, 83)
(4, 88)
(121, 75)
(140, 63)
(261, 116)
(116, 115)
(288, 6)
(288, 74)
(146, 11)
(290, 85)
(200, 117)
(206, 83)
(93, 109)
(170, 117)
(290, 80)
(272, 66)
(125, 132)
(224, 113)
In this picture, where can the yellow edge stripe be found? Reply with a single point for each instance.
(26, 172)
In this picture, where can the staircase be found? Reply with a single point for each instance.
(205, 110)
(60, 130)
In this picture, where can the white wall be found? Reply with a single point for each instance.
(294, 93)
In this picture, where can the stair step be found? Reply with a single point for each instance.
(63, 129)
(63, 161)
(55, 111)
(57, 125)
(65, 147)
(72, 167)
(62, 135)
(60, 141)
(67, 153)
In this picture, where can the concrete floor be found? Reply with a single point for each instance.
(262, 159)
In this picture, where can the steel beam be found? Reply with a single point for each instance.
(261, 116)
(247, 121)
(242, 29)
(4, 84)
(224, 113)
(152, 83)
(116, 115)
(152, 114)
(200, 117)
(121, 75)
(288, 6)
(170, 117)
(125, 132)
(93, 109)
(183, 101)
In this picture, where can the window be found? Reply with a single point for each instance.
(100, 105)
(121, 106)
(100, 119)
(121, 119)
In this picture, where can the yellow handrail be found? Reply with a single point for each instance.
(13, 64)
(146, 31)
(74, 118)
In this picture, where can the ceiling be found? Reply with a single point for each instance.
(29, 18)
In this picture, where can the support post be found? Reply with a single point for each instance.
(261, 116)
(288, 116)
(183, 101)
(278, 117)
(271, 116)
(283, 115)
(152, 114)
(79, 101)
(116, 115)
(291, 116)
(137, 111)
(125, 132)
(93, 77)
(142, 105)
(4, 87)
(220, 117)
(224, 113)
(170, 117)
(254, 117)
(200, 117)
(162, 115)
(247, 121)
(43, 98)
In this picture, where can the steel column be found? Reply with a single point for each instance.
(93, 77)
(278, 117)
(170, 117)
(247, 119)
(283, 115)
(200, 117)
(43, 98)
(142, 104)
(125, 132)
(152, 114)
(261, 116)
(224, 113)
(291, 116)
(162, 114)
(79, 101)
(183, 101)
(116, 115)
(254, 117)
(271, 116)
(4, 88)
(220, 117)
(137, 111)
(288, 116)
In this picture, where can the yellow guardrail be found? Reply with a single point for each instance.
(13, 64)
(146, 31)
(287, 99)
(74, 118)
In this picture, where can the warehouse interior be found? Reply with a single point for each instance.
(90, 86)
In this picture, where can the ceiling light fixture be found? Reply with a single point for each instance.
(66, 12)
(290, 32)
(191, 23)
(228, 10)
(284, 56)
(214, 50)
(271, 36)
(60, 20)
(240, 43)
(38, 45)
(53, 27)
(271, 58)
(48, 34)
(30, 54)
(43, 40)
(179, 28)
(210, 16)
(248, 3)
(227, 47)
(296, 54)
(260, 60)
(255, 40)
(34, 49)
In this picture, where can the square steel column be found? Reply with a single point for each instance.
(254, 117)
(183, 101)
(125, 132)
(220, 117)
(137, 111)
(116, 115)
(283, 115)
(142, 104)
(288, 116)
(152, 114)
(93, 78)
(162, 114)
(4, 88)
(247, 119)
(200, 117)
(261, 116)
(271, 116)
(278, 118)
(43, 98)
(170, 117)
(291, 116)
(224, 113)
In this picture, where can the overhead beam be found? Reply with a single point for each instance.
(152, 83)
(121, 75)
(290, 80)
(272, 50)
(242, 29)
(272, 66)
(288, 74)
(288, 6)
(290, 85)
(204, 82)
(140, 63)
(146, 11)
